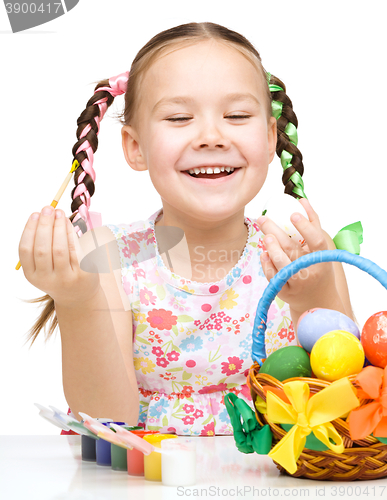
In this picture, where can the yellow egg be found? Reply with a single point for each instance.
(337, 354)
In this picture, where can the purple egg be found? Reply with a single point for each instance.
(317, 322)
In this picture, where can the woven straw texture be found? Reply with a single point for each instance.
(363, 460)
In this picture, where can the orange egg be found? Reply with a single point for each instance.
(374, 339)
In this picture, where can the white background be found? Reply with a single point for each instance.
(331, 56)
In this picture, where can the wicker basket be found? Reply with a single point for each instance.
(364, 459)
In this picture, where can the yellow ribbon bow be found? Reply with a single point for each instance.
(308, 415)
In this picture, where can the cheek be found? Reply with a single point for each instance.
(164, 150)
(255, 148)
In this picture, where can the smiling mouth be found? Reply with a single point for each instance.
(210, 176)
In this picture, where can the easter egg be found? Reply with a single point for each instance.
(316, 322)
(337, 354)
(287, 362)
(279, 209)
(374, 339)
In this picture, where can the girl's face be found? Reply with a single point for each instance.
(202, 105)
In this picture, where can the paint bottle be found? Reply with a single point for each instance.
(103, 448)
(89, 444)
(135, 458)
(88, 448)
(178, 466)
(152, 462)
(119, 454)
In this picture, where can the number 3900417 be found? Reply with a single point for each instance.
(32, 8)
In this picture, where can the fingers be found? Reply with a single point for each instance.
(277, 258)
(26, 245)
(310, 229)
(268, 267)
(60, 247)
(47, 243)
(312, 215)
(288, 245)
(43, 241)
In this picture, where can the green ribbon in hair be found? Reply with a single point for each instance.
(276, 106)
(249, 436)
(349, 238)
(291, 132)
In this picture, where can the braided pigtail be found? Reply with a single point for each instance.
(84, 178)
(87, 144)
(287, 123)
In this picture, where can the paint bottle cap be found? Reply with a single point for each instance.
(102, 429)
(132, 440)
(49, 415)
(72, 423)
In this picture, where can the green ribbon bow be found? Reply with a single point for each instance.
(349, 238)
(291, 131)
(249, 436)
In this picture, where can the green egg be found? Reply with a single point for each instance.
(287, 362)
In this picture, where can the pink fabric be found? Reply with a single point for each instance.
(117, 84)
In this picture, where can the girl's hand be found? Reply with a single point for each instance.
(50, 253)
(311, 287)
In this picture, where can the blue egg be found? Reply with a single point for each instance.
(317, 322)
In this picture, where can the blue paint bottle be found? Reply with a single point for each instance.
(103, 448)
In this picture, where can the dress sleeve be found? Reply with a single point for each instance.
(134, 252)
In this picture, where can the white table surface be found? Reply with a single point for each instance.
(50, 468)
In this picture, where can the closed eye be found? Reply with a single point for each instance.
(178, 119)
(238, 116)
(184, 118)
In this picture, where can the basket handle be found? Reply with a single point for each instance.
(278, 281)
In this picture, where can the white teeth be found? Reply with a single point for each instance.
(209, 170)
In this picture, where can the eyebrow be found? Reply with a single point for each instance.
(234, 97)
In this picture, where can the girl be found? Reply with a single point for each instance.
(199, 117)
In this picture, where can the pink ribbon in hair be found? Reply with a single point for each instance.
(118, 85)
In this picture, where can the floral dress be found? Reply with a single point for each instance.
(192, 341)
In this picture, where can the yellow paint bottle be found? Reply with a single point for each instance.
(152, 462)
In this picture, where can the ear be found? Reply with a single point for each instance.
(131, 147)
(272, 137)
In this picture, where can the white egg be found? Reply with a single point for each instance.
(279, 208)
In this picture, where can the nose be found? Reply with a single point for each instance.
(211, 136)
